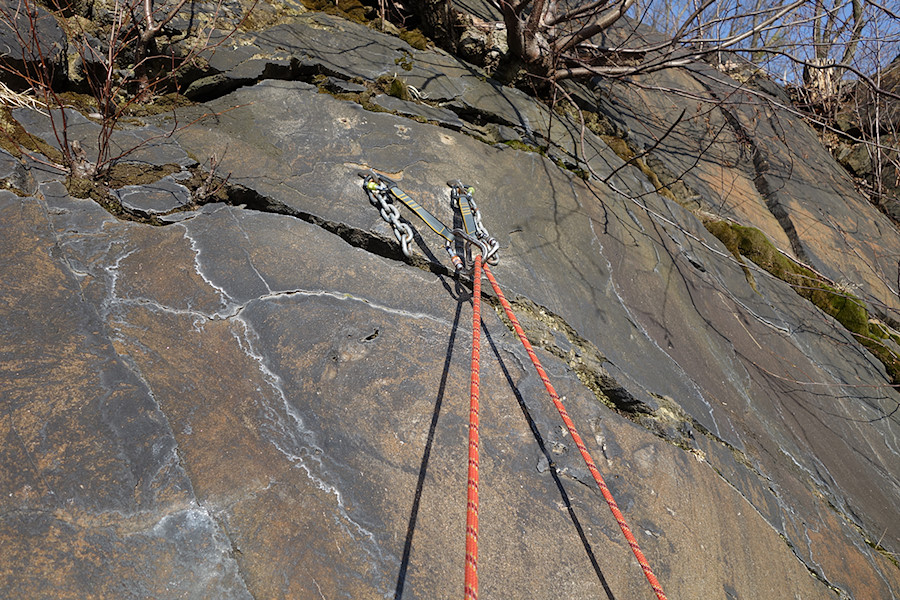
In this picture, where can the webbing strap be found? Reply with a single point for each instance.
(433, 222)
(471, 580)
(620, 519)
(468, 218)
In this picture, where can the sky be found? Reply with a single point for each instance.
(792, 34)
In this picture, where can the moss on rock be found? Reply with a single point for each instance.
(523, 147)
(846, 308)
(882, 352)
(14, 139)
(393, 86)
(414, 38)
(353, 10)
(596, 122)
(751, 243)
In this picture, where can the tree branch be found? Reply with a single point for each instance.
(579, 11)
(601, 23)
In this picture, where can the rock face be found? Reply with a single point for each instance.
(263, 398)
(31, 44)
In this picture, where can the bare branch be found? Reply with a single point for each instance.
(602, 22)
(579, 11)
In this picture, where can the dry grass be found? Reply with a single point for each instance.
(12, 99)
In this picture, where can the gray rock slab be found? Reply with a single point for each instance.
(309, 404)
(793, 190)
(154, 198)
(300, 376)
(146, 144)
(442, 116)
(87, 458)
(213, 85)
(340, 86)
(9, 166)
(605, 265)
(317, 42)
(13, 173)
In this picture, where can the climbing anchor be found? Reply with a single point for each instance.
(461, 198)
(382, 191)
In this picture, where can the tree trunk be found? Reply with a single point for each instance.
(438, 21)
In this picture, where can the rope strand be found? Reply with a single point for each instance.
(471, 580)
(620, 519)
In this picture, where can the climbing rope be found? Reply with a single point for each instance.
(381, 192)
(471, 579)
(620, 519)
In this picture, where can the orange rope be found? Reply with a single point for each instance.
(471, 582)
(648, 572)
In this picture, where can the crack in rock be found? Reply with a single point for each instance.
(761, 161)
(545, 329)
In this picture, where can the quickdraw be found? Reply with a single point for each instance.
(461, 198)
(381, 190)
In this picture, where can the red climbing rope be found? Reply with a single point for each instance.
(377, 187)
(648, 572)
(471, 582)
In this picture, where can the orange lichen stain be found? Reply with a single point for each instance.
(837, 563)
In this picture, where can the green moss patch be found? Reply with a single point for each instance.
(353, 10)
(882, 352)
(259, 16)
(159, 105)
(596, 122)
(522, 146)
(405, 62)
(750, 242)
(386, 84)
(627, 152)
(414, 38)
(356, 11)
(393, 86)
(83, 103)
(122, 174)
(663, 182)
(15, 140)
(847, 309)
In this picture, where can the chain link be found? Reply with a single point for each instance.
(489, 246)
(378, 195)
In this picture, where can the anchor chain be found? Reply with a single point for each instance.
(382, 192)
(377, 191)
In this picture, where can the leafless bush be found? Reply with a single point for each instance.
(118, 59)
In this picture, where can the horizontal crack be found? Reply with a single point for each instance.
(358, 238)
(667, 420)
(544, 328)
